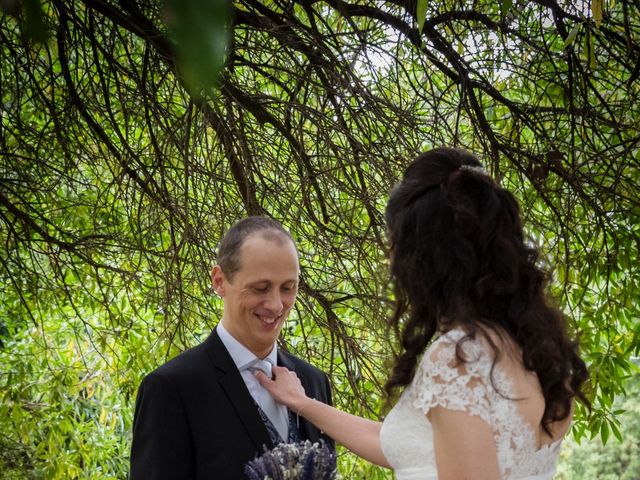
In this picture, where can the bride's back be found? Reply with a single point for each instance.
(527, 393)
(505, 396)
(528, 396)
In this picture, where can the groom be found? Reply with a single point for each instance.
(204, 415)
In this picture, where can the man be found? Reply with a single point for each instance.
(204, 415)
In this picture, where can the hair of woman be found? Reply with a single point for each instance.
(458, 254)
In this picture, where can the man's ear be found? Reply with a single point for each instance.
(217, 280)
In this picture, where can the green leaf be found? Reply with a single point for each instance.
(35, 26)
(594, 428)
(592, 53)
(616, 431)
(199, 30)
(604, 432)
(589, 49)
(421, 14)
(596, 11)
(505, 6)
(572, 35)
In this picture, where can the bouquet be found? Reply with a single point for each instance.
(294, 461)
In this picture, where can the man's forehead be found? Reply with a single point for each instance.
(265, 242)
(269, 235)
(258, 250)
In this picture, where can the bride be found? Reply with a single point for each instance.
(487, 371)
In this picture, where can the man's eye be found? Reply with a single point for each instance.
(260, 289)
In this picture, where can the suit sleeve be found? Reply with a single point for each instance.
(161, 447)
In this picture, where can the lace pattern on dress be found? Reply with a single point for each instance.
(442, 381)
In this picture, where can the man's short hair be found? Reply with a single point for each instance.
(229, 247)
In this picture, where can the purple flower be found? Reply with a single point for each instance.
(294, 461)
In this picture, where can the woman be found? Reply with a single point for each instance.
(488, 372)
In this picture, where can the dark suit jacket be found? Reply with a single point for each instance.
(195, 418)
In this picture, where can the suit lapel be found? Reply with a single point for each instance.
(233, 385)
(284, 361)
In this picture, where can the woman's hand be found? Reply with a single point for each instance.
(360, 435)
(285, 387)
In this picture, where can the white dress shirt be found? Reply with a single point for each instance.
(247, 363)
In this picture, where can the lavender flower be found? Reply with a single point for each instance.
(294, 461)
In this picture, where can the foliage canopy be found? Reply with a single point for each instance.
(119, 171)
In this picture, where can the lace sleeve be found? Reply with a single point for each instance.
(441, 380)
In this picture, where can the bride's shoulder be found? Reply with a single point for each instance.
(453, 374)
(455, 346)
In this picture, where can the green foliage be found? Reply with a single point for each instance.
(421, 14)
(617, 459)
(65, 415)
(120, 167)
(200, 30)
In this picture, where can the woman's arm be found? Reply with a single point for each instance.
(464, 446)
(360, 435)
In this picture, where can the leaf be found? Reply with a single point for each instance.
(616, 431)
(31, 17)
(421, 14)
(103, 416)
(34, 23)
(589, 49)
(594, 428)
(505, 6)
(604, 432)
(596, 11)
(199, 31)
(572, 35)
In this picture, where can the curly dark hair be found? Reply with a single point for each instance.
(458, 254)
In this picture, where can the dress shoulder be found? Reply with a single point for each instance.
(454, 373)
(474, 386)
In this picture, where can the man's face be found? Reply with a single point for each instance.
(260, 295)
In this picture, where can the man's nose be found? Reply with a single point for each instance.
(274, 301)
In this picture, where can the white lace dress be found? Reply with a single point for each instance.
(407, 437)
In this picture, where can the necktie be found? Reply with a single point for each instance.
(270, 407)
(263, 365)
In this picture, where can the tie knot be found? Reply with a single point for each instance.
(263, 365)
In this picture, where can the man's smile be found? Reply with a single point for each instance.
(268, 319)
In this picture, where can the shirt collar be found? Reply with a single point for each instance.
(241, 355)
